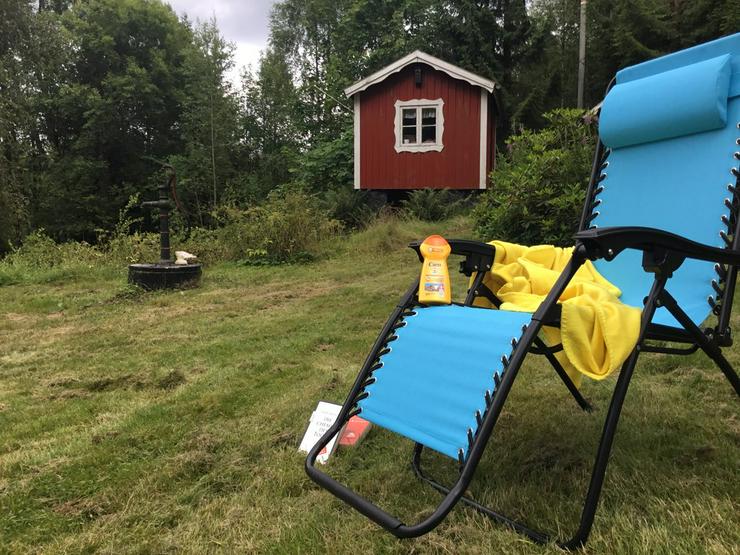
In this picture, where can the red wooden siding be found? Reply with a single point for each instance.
(455, 167)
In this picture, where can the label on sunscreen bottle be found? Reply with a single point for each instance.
(434, 285)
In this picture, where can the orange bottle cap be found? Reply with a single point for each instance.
(436, 241)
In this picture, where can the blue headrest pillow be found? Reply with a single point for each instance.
(683, 101)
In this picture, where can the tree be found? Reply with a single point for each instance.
(306, 33)
(16, 118)
(109, 96)
(209, 121)
(271, 122)
(626, 32)
(93, 93)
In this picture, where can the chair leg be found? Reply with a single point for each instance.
(552, 359)
(612, 419)
(535, 536)
(597, 476)
(726, 368)
(715, 353)
(604, 450)
(602, 454)
(711, 349)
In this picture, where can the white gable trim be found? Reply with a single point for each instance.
(423, 57)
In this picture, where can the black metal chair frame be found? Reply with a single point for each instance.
(663, 253)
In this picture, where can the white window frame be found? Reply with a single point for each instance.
(419, 104)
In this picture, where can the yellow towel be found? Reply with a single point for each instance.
(597, 331)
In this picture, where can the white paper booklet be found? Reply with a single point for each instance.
(321, 420)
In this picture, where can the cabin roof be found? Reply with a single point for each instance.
(415, 57)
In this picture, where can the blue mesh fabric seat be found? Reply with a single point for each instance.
(435, 378)
(660, 221)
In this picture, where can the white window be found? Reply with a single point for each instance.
(419, 125)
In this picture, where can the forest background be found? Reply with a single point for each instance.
(96, 94)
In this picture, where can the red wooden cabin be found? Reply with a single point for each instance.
(423, 123)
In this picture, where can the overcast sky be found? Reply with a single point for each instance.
(242, 22)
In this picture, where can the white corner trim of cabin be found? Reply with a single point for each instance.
(357, 140)
(482, 158)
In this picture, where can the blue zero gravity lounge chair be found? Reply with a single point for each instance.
(661, 223)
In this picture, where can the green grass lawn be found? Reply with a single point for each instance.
(149, 423)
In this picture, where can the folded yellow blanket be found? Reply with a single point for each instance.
(597, 331)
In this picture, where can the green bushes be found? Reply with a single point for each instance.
(40, 251)
(14, 212)
(354, 209)
(538, 187)
(120, 246)
(433, 205)
(133, 248)
(287, 227)
(41, 259)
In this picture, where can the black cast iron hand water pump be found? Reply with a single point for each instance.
(164, 204)
(165, 273)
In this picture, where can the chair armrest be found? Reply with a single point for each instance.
(478, 255)
(608, 242)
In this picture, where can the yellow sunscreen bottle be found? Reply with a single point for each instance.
(434, 285)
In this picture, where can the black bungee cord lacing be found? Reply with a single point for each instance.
(488, 397)
(378, 363)
(595, 201)
(727, 235)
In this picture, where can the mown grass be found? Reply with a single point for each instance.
(153, 422)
